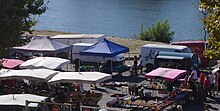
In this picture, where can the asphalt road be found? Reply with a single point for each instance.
(213, 103)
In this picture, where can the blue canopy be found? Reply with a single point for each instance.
(104, 48)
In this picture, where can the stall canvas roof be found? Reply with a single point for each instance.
(20, 99)
(45, 62)
(166, 73)
(11, 63)
(43, 44)
(77, 36)
(29, 74)
(80, 77)
(104, 48)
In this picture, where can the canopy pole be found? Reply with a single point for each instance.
(71, 55)
(79, 66)
(111, 67)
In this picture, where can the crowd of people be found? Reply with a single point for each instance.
(202, 84)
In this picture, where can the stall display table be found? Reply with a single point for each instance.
(154, 86)
(124, 89)
(170, 100)
(120, 69)
(130, 102)
(116, 84)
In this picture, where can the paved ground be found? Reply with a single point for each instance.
(212, 102)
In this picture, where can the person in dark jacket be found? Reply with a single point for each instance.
(135, 65)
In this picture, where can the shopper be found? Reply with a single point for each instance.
(135, 65)
(202, 78)
(207, 86)
(212, 82)
(194, 72)
(216, 83)
(140, 64)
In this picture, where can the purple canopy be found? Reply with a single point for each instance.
(166, 73)
(11, 63)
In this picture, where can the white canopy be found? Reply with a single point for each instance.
(43, 45)
(19, 99)
(215, 70)
(45, 62)
(80, 77)
(3, 71)
(29, 74)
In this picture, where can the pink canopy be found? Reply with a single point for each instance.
(11, 63)
(166, 73)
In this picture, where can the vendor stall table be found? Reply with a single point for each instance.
(169, 101)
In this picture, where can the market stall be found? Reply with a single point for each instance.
(44, 62)
(29, 74)
(176, 97)
(128, 102)
(105, 48)
(156, 94)
(79, 77)
(16, 102)
(167, 74)
(11, 63)
(42, 45)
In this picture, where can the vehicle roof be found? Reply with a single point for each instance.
(186, 55)
(165, 46)
(77, 36)
(170, 57)
(195, 41)
(83, 44)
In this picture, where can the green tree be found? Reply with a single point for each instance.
(159, 32)
(17, 17)
(212, 26)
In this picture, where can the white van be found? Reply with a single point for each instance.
(77, 47)
(148, 52)
(78, 38)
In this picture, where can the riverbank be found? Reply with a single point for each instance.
(134, 45)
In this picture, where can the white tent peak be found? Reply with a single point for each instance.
(43, 44)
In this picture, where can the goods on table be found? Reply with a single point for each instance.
(117, 84)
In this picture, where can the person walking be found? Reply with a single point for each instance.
(212, 82)
(216, 83)
(207, 86)
(101, 67)
(202, 78)
(194, 72)
(190, 81)
(140, 64)
(135, 65)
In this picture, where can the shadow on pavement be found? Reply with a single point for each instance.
(131, 78)
(193, 106)
(100, 89)
(215, 100)
(112, 88)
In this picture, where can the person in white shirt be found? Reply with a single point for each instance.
(81, 88)
(216, 82)
(194, 72)
(212, 82)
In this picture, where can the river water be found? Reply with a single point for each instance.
(122, 18)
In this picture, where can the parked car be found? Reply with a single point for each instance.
(81, 59)
(78, 38)
(149, 51)
(176, 60)
(198, 47)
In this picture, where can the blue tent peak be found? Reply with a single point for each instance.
(104, 48)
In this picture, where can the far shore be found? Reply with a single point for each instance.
(134, 45)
